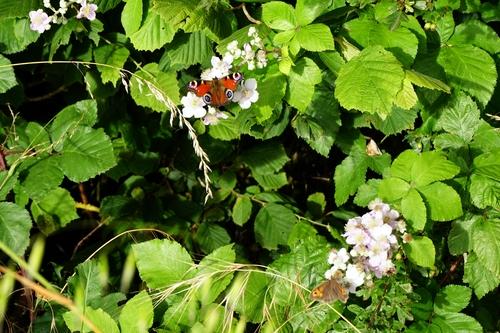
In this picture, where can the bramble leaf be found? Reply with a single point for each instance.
(370, 81)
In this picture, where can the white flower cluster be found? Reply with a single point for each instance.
(253, 54)
(245, 94)
(373, 239)
(40, 20)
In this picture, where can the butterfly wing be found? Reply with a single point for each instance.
(200, 88)
(330, 291)
(217, 92)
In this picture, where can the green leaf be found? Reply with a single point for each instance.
(174, 11)
(392, 189)
(137, 314)
(265, 158)
(131, 16)
(99, 318)
(460, 117)
(403, 164)
(16, 35)
(333, 60)
(215, 270)
(401, 41)
(248, 294)
(105, 5)
(316, 204)
(442, 200)
(271, 181)
(478, 34)
(153, 34)
(155, 89)
(62, 35)
(406, 97)
(187, 50)
(452, 298)
(217, 21)
(308, 10)
(420, 251)
(41, 177)
(114, 56)
(271, 88)
(17, 8)
(82, 113)
(15, 225)
(211, 236)
(350, 174)
(242, 210)
(486, 243)
(460, 236)
(471, 69)
(479, 277)
(86, 153)
(272, 225)
(484, 191)
(86, 281)
(456, 323)
(367, 192)
(7, 76)
(302, 79)
(432, 166)
(225, 129)
(315, 37)
(162, 262)
(370, 81)
(486, 138)
(414, 210)
(56, 207)
(445, 26)
(279, 15)
(425, 81)
(488, 164)
(398, 120)
(319, 123)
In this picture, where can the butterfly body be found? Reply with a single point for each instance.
(329, 291)
(216, 92)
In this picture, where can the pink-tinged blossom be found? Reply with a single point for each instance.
(357, 236)
(87, 10)
(40, 21)
(213, 115)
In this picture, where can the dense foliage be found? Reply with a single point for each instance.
(133, 200)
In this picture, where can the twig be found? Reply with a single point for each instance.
(247, 14)
(452, 270)
(88, 236)
(48, 95)
(83, 195)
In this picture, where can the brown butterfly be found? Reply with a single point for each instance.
(216, 92)
(329, 291)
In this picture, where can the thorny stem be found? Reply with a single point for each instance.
(374, 314)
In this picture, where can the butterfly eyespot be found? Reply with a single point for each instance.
(207, 98)
(237, 76)
(192, 84)
(229, 94)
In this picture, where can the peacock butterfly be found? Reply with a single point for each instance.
(216, 92)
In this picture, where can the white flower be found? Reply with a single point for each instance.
(371, 220)
(246, 94)
(220, 68)
(338, 259)
(63, 4)
(213, 115)
(252, 31)
(40, 21)
(87, 11)
(261, 59)
(354, 277)
(329, 273)
(46, 4)
(357, 236)
(193, 106)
